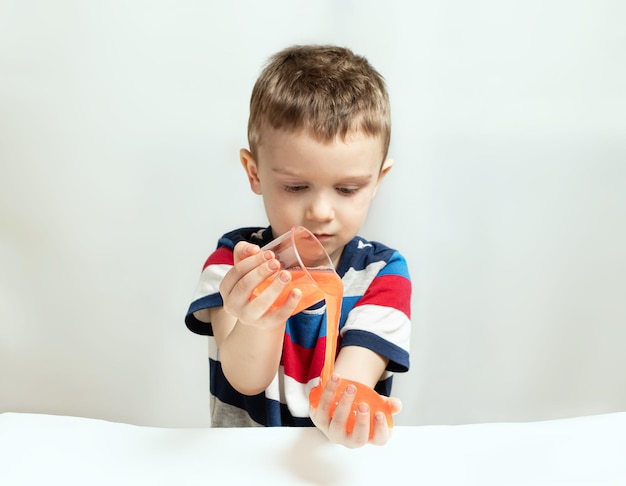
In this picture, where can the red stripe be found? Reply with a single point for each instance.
(221, 256)
(389, 291)
(303, 364)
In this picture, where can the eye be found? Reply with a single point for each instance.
(294, 188)
(347, 191)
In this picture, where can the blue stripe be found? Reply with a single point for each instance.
(304, 329)
(396, 266)
(347, 304)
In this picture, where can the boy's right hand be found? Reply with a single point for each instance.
(252, 266)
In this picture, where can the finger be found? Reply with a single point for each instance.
(283, 312)
(241, 275)
(243, 250)
(361, 431)
(342, 412)
(240, 300)
(274, 281)
(327, 400)
(382, 432)
(253, 259)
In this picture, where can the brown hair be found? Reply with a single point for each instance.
(328, 91)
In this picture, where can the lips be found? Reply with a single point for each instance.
(323, 236)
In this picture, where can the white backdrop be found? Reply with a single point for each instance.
(120, 124)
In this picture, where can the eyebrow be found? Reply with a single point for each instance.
(350, 178)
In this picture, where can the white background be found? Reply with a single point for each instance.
(120, 125)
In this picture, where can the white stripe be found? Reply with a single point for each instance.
(210, 280)
(385, 375)
(356, 282)
(273, 391)
(387, 322)
(297, 393)
(213, 353)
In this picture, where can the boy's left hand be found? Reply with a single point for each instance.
(335, 427)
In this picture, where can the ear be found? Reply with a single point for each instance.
(384, 170)
(249, 165)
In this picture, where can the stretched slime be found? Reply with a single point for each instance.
(330, 284)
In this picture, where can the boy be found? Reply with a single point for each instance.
(319, 132)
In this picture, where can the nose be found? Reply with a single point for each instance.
(320, 208)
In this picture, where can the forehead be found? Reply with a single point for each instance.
(299, 151)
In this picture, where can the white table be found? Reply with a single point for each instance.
(46, 449)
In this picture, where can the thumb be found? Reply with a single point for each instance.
(396, 405)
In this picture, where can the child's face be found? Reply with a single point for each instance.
(325, 187)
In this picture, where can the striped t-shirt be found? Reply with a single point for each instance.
(375, 314)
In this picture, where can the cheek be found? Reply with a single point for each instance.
(360, 208)
(362, 202)
(276, 205)
(270, 204)
(354, 212)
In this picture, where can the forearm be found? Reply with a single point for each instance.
(360, 364)
(250, 357)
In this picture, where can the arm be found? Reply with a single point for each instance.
(250, 355)
(249, 336)
(360, 364)
(384, 309)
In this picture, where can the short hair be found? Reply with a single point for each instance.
(325, 90)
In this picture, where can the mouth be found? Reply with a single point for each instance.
(322, 237)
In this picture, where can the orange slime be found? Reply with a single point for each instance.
(330, 284)
(311, 291)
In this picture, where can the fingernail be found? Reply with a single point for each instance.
(351, 389)
(273, 265)
(363, 408)
(268, 255)
(379, 417)
(284, 276)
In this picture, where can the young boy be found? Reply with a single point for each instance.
(319, 132)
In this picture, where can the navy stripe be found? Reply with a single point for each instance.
(222, 389)
(384, 387)
(398, 357)
(197, 326)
